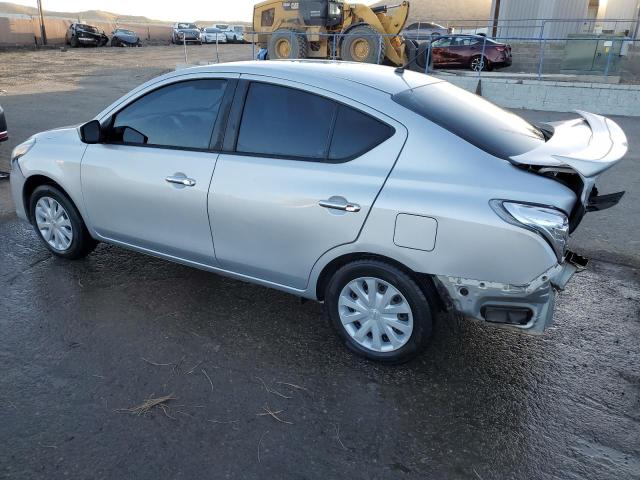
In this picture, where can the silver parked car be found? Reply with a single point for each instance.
(421, 31)
(385, 193)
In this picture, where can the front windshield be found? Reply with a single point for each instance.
(187, 26)
(211, 30)
(472, 118)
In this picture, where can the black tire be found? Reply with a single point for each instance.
(74, 42)
(114, 42)
(82, 243)
(421, 308)
(474, 62)
(283, 39)
(423, 53)
(367, 41)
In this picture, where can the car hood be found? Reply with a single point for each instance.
(126, 37)
(588, 145)
(67, 132)
(93, 34)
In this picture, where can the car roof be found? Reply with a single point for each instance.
(328, 73)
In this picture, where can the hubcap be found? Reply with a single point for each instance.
(375, 314)
(283, 47)
(54, 223)
(360, 50)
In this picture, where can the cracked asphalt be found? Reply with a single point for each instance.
(83, 342)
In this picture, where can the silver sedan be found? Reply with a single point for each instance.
(386, 194)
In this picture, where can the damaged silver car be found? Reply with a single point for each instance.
(386, 194)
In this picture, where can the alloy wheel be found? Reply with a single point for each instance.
(477, 64)
(375, 314)
(53, 223)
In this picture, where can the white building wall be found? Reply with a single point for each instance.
(566, 10)
(620, 10)
(523, 18)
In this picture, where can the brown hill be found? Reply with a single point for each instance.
(96, 15)
(442, 10)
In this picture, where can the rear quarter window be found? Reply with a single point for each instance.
(497, 131)
(356, 133)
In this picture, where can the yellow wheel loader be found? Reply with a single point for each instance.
(332, 29)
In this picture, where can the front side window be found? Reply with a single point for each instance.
(180, 115)
(442, 42)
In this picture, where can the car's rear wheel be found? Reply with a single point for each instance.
(379, 311)
(58, 223)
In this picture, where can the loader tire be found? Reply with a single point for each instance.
(287, 44)
(363, 44)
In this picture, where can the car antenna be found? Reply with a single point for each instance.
(400, 70)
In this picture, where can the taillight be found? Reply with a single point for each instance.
(500, 48)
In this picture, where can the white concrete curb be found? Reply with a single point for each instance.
(603, 98)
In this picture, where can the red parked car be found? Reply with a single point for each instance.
(467, 51)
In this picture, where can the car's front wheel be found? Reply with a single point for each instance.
(58, 223)
(379, 311)
(479, 63)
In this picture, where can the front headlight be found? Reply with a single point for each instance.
(21, 150)
(550, 223)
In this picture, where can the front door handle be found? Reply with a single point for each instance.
(181, 179)
(339, 203)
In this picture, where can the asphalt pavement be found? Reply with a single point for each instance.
(256, 385)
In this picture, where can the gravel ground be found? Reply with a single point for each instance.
(83, 340)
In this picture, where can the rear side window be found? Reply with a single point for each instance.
(355, 133)
(180, 115)
(472, 118)
(286, 122)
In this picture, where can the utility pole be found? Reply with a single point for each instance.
(43, 31)
(496, 18)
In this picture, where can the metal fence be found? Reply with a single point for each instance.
(594, 55)
(539, 27)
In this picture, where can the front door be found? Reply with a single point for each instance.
(147, 186)
(305, 172)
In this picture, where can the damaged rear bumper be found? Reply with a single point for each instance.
(524, 308)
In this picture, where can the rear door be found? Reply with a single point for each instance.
(302, 173)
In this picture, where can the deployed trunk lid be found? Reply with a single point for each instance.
(576, 154)
(589, 145)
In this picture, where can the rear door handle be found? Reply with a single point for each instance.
(339, 203)
(181, 179)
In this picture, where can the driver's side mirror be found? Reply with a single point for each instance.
(91, 132)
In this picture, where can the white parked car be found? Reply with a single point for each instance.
(213, 35)
(234, 33)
